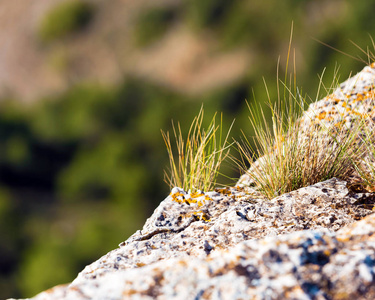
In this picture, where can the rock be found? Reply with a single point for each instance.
(353, 99)
(231, 244)
(317, 242)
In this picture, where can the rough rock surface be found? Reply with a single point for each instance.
(231, 244)
(317, 242)
(177, 230)
(301, 265)
(353, 99)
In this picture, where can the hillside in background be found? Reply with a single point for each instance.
(86, 87)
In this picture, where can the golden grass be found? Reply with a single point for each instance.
(289, 158)
(195, 163)
(365, 164)
(283, 154)
(287, 155)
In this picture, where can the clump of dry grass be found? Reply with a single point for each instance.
(288, 156)
(197, 161)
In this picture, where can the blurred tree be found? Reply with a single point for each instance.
(153, 23)
(64, 19)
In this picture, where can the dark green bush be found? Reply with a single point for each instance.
(207, 13)
(152, 24)
(64, 19)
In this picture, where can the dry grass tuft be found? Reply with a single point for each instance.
(199, 156)
(289, 158)
(287, 155)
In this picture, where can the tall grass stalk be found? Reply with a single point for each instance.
(195, 163)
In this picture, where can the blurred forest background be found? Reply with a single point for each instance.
(86, 86)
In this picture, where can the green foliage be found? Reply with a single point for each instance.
(206, 13)
(152, 24)
(64, 19)
(85, 168)
(84, 231)
(72, 115)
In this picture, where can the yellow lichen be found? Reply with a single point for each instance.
(322, 115)
(198, 198)
(224, 191)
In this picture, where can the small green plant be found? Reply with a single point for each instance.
(197, 161)
(66, 18)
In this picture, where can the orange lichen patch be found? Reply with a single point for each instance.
(224, 191)
(360, 97)
(207, 198)
(322, 115)
(140, 264)
(340, 124)
(178, 197)
(239, 188)
(193, 198)
(196, 195)
(371, 93)
(201, 216)
(130, 292)
(205, 217)
(197, 198)
(343, 239)
(332, 111)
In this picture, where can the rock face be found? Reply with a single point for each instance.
(317, 242)
(231, 244)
